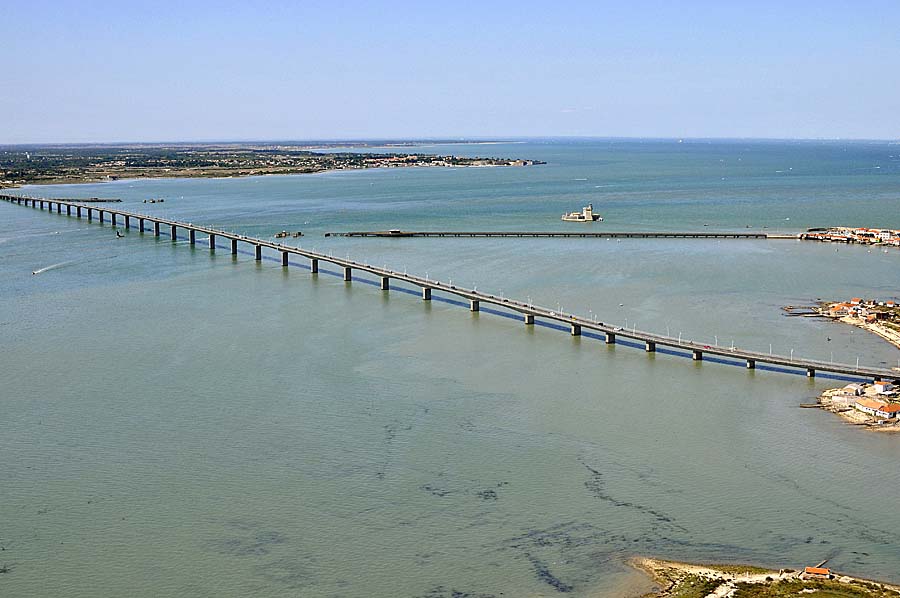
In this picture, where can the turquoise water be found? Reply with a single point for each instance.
(178, 423)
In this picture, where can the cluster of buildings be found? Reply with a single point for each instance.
(880, 400)
(865, 236)
(869, 310)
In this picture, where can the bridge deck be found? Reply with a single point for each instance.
(524, 308)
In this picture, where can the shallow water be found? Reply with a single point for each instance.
(180, 423)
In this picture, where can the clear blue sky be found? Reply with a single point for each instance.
(146, 71)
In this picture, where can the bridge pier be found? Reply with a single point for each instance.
(212, 241)
(141, 224)
(101, 216)
(284, 259)
(90, 214)
(258, 255)
(610, 338)
(174, 232)
(314, 266)
(474, 305)
(576, 330)
(155, 228)
(385, 283)
(68, 210)
(751, 364)
(127, 221)
(348, 273)
(697, 355)
(529, 319)
(234, 247)
(78, 211)
(112, 218)
(192, 236)
(650, 347)
(426, 294)
(59, 208)
(810, 372)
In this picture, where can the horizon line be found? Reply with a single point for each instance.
(448, 139)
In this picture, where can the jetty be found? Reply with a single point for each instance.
(528, 312)
(565, 234)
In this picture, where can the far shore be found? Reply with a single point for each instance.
(218, 175)
(690, 580)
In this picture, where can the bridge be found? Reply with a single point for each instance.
(564, 234)
(527, 311)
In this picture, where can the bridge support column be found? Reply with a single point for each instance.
(697, 355)
(810, 372)
(529, 319)
(59, 208)
(212, 241)
(42, 205)
(78, 211)
(101, 216)
(90, 214)
(751, 364)
(314, 266)
(234, 247)
(141, 224)
(610, 338)
(155, 229)
(385, 283)
(348, 273)
(474, 305)
(576, 329)
(68, 210)
(426, 294)
(174, 232)
(284, 259)
(650, 347)
(112, 218)
(192, 236)
(258, 253)
(127, 221)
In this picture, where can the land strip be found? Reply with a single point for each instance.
(90, 164)
(685, 580)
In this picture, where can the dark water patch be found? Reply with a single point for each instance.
(488, 495)
(257, 544)
(595, 486)
(435, 490)
(442, 592)
(545, 575)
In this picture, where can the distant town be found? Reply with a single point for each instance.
(83, 164)
(863, 236)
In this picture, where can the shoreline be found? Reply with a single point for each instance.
(239, 175)
(677, 579)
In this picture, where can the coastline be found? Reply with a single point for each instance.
(697, 580)
(235, 175)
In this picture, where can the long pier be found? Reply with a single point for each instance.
(563, 234)
(528, 311)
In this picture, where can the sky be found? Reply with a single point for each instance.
(193, 71)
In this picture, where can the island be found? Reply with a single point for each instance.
(685, 580)
(55, 164)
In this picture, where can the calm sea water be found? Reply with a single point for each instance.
(175, 423)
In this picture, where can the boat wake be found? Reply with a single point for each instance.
(53, 267)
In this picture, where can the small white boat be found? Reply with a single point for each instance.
(585, 215)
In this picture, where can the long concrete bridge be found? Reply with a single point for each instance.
(564, 234)
(528, 311)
